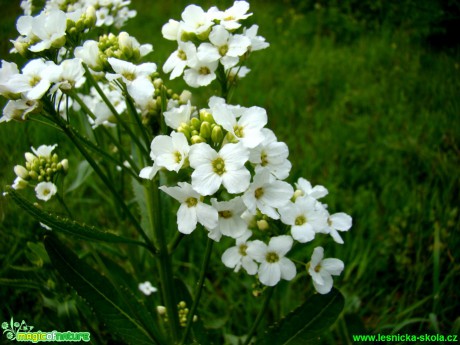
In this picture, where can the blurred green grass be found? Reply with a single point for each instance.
(368, 110)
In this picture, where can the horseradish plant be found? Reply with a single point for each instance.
(219, 167)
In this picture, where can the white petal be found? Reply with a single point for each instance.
(201, 154)
(325, 287)
(317, 256)
(205, 181)
(249, 265)
(332, 266)
(304, 233)
(288, 270)
(236, 181)
(231, 257)
(234, 155)
(281, 244)
(341, 221)
(269, 274)
(186, 219)
(257, 250)
(207, 215)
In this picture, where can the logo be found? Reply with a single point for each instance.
(23, 333)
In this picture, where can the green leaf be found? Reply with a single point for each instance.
(65, 225)
(305, 324)
(110, 307)
(84, 170)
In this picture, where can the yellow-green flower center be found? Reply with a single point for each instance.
(225, 214)
(181, 54)
(259, 192)
(318, 268)
(223, 50)
(300, 220)
(191, 202)
(204, 70)
(218, 166)
(178, 156)
(239, 131)
(272, 257)
(34, 81)
(242, 249)
(263, 159)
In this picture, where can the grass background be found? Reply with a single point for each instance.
(366, 95)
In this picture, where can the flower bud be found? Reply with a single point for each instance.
(262, 225)
(19, 183)
(29, 157)
(205, 130)
(21, 172)
(33, 175)
(161, 310)
(185, 96)
(65, 165)
(217, 135)
(196, 139)
(297, 193)
(195, 123)
(185, 131)
(91, 18)
(157, 83)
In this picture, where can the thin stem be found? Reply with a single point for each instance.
(106, 132)
(260, 315)
(175, 242)
(137, 118)
(114, 111)
(199, 290)
(156, 208)
(66, 128)
(64, 205)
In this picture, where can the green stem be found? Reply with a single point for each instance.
(137, 118)
(107, 133)
(199, 290)
(164, 259)
(260, 315)
(64, 205)
(114, 111)
(175, 242)
(66, 128)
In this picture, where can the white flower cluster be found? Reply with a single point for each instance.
(41, 169)
(236, 188)
(209, 40)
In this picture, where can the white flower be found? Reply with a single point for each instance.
(306, 188)
(322, 270)
(179, 59)
(213, 169)
(266, 194)
(200, 73)
(170, 152)
(274, 266)
(7, 71)
(18, 109)
(147, 288)
(236, 257)
(338, 222)
(44, 151)
(128, 71)
(196, 20)
(45, 190)
(34, 80)
(272, 155)
(103, 17)
(247, 129)
(89, 53)
(19, 183)
(230, 17)
(67, 75)
(224, 47)
(142, 91)
(306, 217)
(257, 42)
(171, 29)
(192, 209)
(175, 117)
(50, 28)
(230, 222)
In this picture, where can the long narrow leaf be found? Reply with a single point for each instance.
(305, 324)
(67, 226)
(100, 294)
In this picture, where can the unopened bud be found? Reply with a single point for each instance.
(185, 96)
(262, 225)
(65, 164)
(21, 172)
(161, 310)
(29, 157)
(297, 193)
(217, 134)
(205, 130)
(185, 131)
(196, 139)
(195, 123)
(90, 16)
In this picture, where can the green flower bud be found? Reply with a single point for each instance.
(185, 131)
(262, 225)
(194, 132)
(29, 157)
(196, 139)
(204, 35)
(21, 172)
(217, 134)
(205, 130)
(161, 310)
(195, 123)
(185, 96)
(158, 83)
(33, 175)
